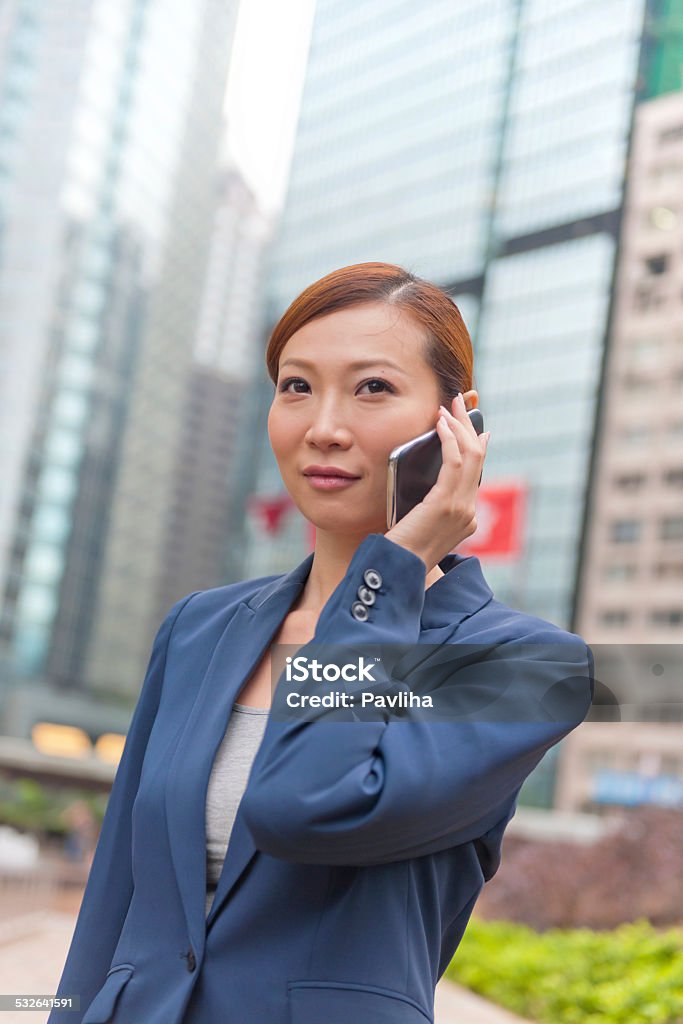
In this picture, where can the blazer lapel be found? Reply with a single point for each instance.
(247, 635)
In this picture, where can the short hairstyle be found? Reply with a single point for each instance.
(448, 344)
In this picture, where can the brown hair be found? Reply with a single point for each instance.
(448, 344)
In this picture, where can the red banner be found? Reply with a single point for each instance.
(270, 510)
(501, 521)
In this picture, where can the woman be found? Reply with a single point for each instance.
(357, 848)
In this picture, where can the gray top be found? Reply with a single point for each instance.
(227, 783)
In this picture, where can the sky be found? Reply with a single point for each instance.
(264, 91)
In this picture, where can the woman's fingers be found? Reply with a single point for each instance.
(460, 414)
(465, 435)
(449, 442)
(456, 470)
(461, 454)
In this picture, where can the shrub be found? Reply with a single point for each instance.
(634, 872)
(633, 975)
(28, 805)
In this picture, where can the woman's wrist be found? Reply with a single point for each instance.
(429, 559)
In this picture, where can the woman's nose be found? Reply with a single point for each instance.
(328, 424)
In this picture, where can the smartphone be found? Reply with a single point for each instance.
(414, 467)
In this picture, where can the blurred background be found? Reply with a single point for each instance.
(171, 176)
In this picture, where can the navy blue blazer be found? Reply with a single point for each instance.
(358, 851)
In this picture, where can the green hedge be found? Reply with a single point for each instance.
(27, 804)
(631, 975)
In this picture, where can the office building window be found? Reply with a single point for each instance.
(620, 571)
(638, 382)
(629, 481)
(670, 569)
(658, 264)
(667, 617)
(615, 617)
(645, 351)
(624, 531)
(634, 434)
(673, 477)
(671, 528)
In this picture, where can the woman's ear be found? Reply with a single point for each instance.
(471, 399)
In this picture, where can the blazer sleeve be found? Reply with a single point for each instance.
(368, 792)
(109, 888)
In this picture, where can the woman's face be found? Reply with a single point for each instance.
(328, 411)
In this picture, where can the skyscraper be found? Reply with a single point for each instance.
(202, 523)
(110, 121)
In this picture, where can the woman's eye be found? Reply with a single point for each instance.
(291, 380)
(284, 386)
(378, 380)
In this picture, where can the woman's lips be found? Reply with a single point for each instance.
(330, 483)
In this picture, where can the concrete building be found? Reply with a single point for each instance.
(631, 590)
(632, 586)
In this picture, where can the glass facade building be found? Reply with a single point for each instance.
(110, 126)
(483, 146)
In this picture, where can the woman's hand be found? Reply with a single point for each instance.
(446, 515)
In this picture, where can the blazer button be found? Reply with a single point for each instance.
(372, 578)
(359, 611)
(191, 959)
(366, 595)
